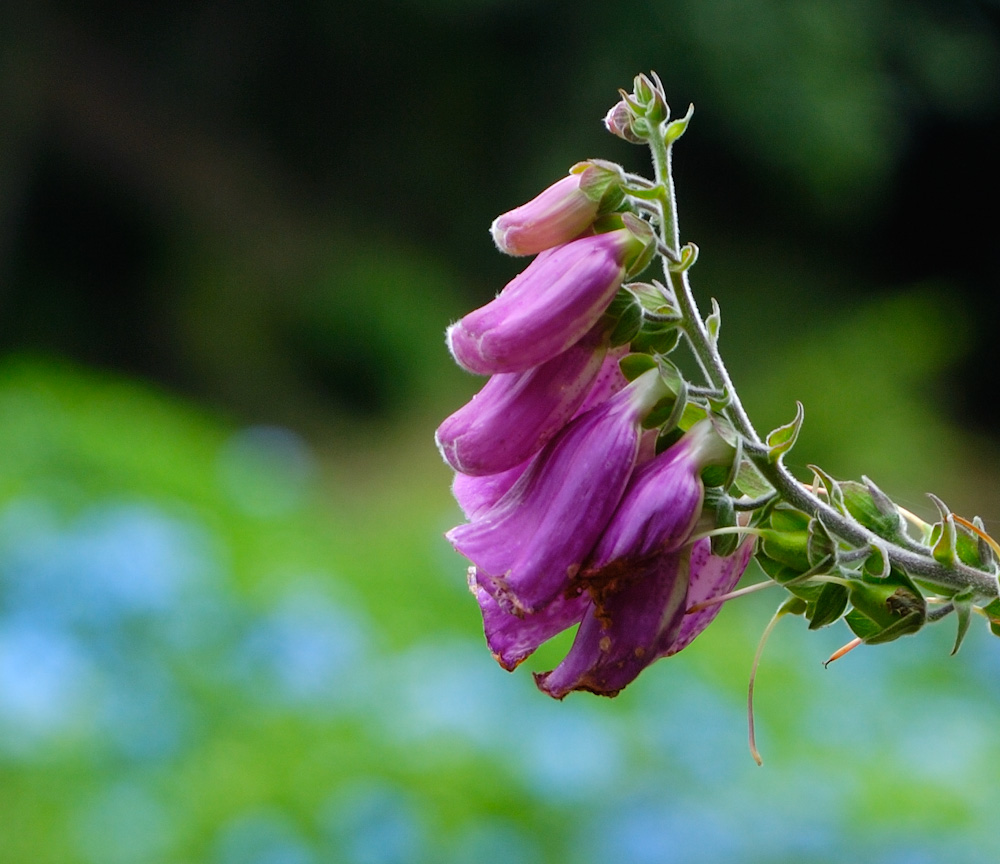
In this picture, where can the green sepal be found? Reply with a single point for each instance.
(667, 411)
(834, 495)
(602, 182)
(656, 337)
(992, 612)
(829, 606)
(805, 591)
(963, 611)
(655, 298)
(750, 481)
(782, 439)
(967, 547)
(634, 365)
(626, 312)
(713, 323)
(678, 127)
(986, 554)
(891, 606)
(945, 539)
(944, 535)
(693, 412)
(688, 256)
(721, 506)
(872, 508)
(820, 544)
(715, 475)
(878, 564)
(643, 232)
(793, 606)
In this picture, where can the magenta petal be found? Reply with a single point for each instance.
(548, 307)
(658, 510)
(475, 495)
(635, 624)
(609, 379)
(555, 216)
(711, 576)
(517, 413)
(512, 638)
(533, 541)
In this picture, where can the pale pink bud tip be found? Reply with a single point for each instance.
(559, 214)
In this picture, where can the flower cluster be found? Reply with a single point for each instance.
(576, 516)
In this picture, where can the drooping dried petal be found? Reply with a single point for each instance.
(643, 618)
(634, 626)
(512, 638)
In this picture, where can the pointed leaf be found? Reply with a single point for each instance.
(963, 608)
(829, 607)
(750, 481)
(714, 322)
(878, 564)
(782, 439)
(870, 506)
(820, 544)
(834, 494)
(633, 365)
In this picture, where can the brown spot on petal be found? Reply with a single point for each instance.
(605, 644)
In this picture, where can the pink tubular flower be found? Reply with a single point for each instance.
(560, 213)
(547, 308)
(530, 545)
(517, 413)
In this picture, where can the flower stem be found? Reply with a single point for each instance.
(912, 558)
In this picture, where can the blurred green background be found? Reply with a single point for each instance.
(231, 236)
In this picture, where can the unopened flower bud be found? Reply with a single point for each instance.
(548, 307)
(618, 121)
(561, 213)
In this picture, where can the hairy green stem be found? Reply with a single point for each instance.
(914, 559)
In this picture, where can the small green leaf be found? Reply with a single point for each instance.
(676, 128)
(963, 609)
(782, 439)
(870, 506)
(878, 564)
(893, 606)
(834, 495)
(829, 607)
(721, 505)
(750, 481)
(992, 611)
(714, 322)
(633, 365)
(626, 313)
(688, 255)
(820, 544)
(944, 550)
